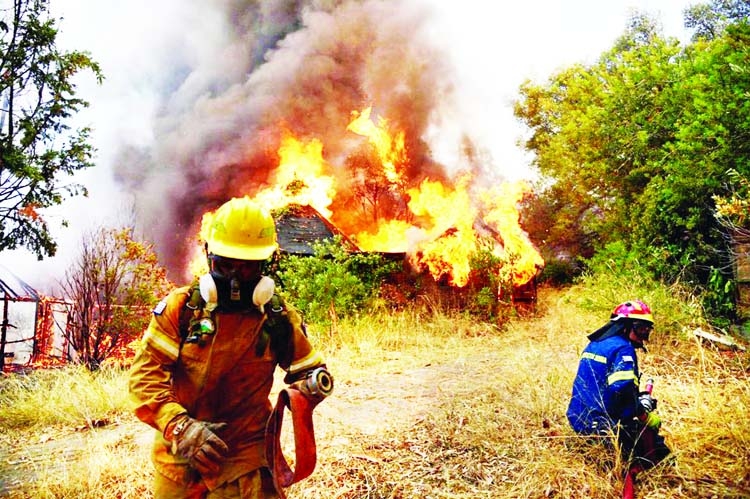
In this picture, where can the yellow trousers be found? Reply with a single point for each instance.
(257, 484)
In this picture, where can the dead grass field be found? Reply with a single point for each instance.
(459, 411)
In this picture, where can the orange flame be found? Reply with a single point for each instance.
(502, 204)
(445, 238)
(438, 233)
(299, 178)
(391, 150)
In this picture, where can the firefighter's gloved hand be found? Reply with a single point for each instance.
(647, 402)
(651, 420)
(198, 442)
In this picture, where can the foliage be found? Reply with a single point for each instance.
(71, 395)
(490, 284)
(334, 280)
(710, 20)
(616, 275)
(718, 298)
(559, 271)
(633, 150)
(37, 147)
(113, 285)
(557, 224)
(733, 211)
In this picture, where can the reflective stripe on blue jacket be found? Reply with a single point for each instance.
(605, 390)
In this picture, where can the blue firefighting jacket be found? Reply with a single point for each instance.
(605, 390)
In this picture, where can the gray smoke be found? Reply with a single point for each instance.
(301, 66)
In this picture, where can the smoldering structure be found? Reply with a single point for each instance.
(303, 69)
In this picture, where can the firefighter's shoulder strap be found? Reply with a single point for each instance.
(191, 312)
(277, 329)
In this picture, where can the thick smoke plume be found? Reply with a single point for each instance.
(286, 67)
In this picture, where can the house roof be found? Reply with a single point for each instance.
(299, 227)
(14, 288)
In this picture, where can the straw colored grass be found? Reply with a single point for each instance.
(426, 406)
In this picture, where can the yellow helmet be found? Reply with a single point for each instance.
(241, 229)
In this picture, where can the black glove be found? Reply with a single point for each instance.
(197, 442)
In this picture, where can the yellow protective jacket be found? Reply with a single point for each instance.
(223, 380)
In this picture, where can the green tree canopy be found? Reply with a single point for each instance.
(635, 148)
(38, 150)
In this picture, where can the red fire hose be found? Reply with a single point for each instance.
(304, 440)
(648, 437)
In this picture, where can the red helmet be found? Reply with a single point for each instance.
(633, 309)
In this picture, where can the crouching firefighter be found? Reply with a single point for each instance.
(203, 375)
(606, 400)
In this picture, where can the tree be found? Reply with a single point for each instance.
(708, 21)
(636, 147)
(596, 132)
(37, 147)
(113, 285)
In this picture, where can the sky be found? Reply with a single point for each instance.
(144, 47)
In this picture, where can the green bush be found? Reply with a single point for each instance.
(639, 268)
(559, 272)
(333, 280)
(673, 305)
(490, 281)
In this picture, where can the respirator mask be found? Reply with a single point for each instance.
(235, 285)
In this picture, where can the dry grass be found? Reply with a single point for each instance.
(432, 406)
(72, 396)
(505, 435)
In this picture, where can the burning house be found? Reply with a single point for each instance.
(299, 227)
(339, 107)
(34, 326)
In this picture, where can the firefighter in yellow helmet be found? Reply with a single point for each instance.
(203, 375)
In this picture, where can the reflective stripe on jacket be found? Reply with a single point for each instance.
(605, 390)
(223, 380)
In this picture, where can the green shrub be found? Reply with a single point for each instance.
(559, 272)
(718, 299)
(490, 285)
(673, 305)
(642, 269)
(333, 280)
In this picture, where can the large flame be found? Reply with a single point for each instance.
(391, 150)
(444, 238)
(437, 230)
(300, 178)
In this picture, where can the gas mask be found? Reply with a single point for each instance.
(230, 294)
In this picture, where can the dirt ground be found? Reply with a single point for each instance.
(394, 394)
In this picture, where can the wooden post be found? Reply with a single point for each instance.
(4, 332)
(741, 250)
